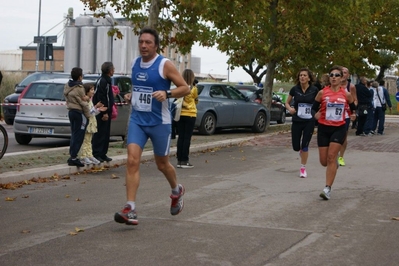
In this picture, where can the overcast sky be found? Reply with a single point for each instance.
(20, 24)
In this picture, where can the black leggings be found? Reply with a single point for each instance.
(304, 131)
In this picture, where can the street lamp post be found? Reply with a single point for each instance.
(38, 34)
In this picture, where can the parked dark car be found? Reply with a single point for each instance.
(277, 111)
(42, 112)
(223, 106)
(123, 82)
(9, 111)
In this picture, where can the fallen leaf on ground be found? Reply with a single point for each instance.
(78, 199)
(10, 199)
(73, 233)
(79, 230)
(25, 196)
(113, 176)
(25, 231)
(67, 196)
(395, 218)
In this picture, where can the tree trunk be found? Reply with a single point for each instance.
(268, 88)
(154, 14)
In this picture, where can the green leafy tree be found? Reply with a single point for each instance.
(273, 39)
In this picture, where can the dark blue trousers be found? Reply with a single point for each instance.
(78, 129)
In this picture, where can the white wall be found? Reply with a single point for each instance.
(11, 60)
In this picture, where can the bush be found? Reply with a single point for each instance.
(8, 84)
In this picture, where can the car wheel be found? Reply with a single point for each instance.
(23, 139)
(260, 123)
(282, 119)
(208, 124)
(9, 121)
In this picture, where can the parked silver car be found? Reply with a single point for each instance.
(42, 112)
(223, 106)
(10, 110)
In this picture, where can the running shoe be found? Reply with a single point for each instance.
(326, 193)
(341, 161)
(302, 173)
(177, 201)
(178, 164)
(126, 216)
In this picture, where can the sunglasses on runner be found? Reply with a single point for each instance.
(334, 75)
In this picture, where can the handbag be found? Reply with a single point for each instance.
(383, 105)
(178, 104)
(114, 113)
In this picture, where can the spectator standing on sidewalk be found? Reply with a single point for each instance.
(185, 125)
(78, 113)
(370, 113)
(303, 123)
(381, 98)
(105, 95)
(150, 118)
(86, 150)
(365, 106)
(329, 109)
(346, 83)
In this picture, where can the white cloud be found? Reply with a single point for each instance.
(20, 25)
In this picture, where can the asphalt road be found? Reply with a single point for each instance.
(244, 205)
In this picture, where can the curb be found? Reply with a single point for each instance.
(64, 169)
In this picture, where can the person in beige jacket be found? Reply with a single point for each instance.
(78, 113)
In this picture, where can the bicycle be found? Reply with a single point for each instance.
(3, 140)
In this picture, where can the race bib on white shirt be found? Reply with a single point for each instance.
(142, 98)
(334, 111)
(304, 110)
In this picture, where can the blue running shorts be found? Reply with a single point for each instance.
(159, 136)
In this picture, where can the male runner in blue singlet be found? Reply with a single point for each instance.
(150, 118)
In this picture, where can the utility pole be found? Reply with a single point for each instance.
(38, 34)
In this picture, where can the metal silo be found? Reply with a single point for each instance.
(71, 49)
(122, 50)
(107, 21)
(88, 49)
(83, 20)
(103, 48)
(134, 49)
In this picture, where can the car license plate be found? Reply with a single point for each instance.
(41, 130)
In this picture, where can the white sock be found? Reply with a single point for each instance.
(176, 190)
(132, 204)
(303, 165)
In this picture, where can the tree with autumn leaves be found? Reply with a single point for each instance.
(273, 39)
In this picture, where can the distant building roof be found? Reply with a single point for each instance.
(202, 76)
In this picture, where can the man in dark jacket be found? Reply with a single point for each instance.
(364, 98)
(104, 94)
